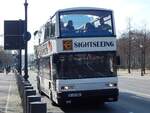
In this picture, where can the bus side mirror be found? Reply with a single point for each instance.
(35, 32)
(118, 60)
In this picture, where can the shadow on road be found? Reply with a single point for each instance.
(127, 103)
(85, 108)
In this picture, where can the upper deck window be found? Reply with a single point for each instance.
(50, 28)
(86, 23)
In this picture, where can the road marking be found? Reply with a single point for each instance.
(6, 108)
(135, 92)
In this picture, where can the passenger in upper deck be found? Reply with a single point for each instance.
(89, 28)
(69, 26)
(103, 27)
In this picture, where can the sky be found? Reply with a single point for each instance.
(39, 11)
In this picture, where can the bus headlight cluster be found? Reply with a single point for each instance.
(66, 87)
(112, 84)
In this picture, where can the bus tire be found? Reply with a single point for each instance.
(52, 101)
(39, 88)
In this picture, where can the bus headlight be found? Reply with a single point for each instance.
(66, 87)
(112, 84)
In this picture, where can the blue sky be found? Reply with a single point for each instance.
(40, 10)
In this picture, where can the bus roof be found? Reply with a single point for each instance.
(83, 8)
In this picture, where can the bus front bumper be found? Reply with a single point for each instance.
(105, 95)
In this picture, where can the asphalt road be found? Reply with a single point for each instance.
(134, 98)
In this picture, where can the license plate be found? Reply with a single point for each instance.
(74, 95)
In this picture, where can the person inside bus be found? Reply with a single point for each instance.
(89, 28)
(70, 27)
(103, 28)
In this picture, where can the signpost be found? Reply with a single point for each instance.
(13, 37)
(13, 34)
(16, 36)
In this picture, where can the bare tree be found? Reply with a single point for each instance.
(6, 58)
(139, 49)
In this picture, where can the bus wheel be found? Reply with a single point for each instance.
(52, 101)
(39, 88)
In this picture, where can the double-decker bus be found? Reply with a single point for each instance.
(77, 56)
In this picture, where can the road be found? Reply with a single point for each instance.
(134, 98)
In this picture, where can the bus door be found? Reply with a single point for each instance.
(53, 72)
(41, 73)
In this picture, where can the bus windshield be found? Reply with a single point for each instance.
(86, 23)
(77, 66)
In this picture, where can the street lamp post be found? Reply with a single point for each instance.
(20, 61)
(129, 54)
(142, 62)
(142, 51)
(142, 46)
(27, 37)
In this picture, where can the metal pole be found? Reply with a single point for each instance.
(20, 49)
(20, 61)
(129, 52)
(38, 60)
(129, 65)
(144, 52)
(142, 61)
(26, 43)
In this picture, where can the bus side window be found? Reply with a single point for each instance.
(50, 68)
(47, 31)
(53, 68)
(52, 27)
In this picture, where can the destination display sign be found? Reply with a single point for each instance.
(76, 45)
(88, 44)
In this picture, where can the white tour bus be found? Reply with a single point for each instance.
(77, 56)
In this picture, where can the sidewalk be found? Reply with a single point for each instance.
(10, 101)
(134, 74)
